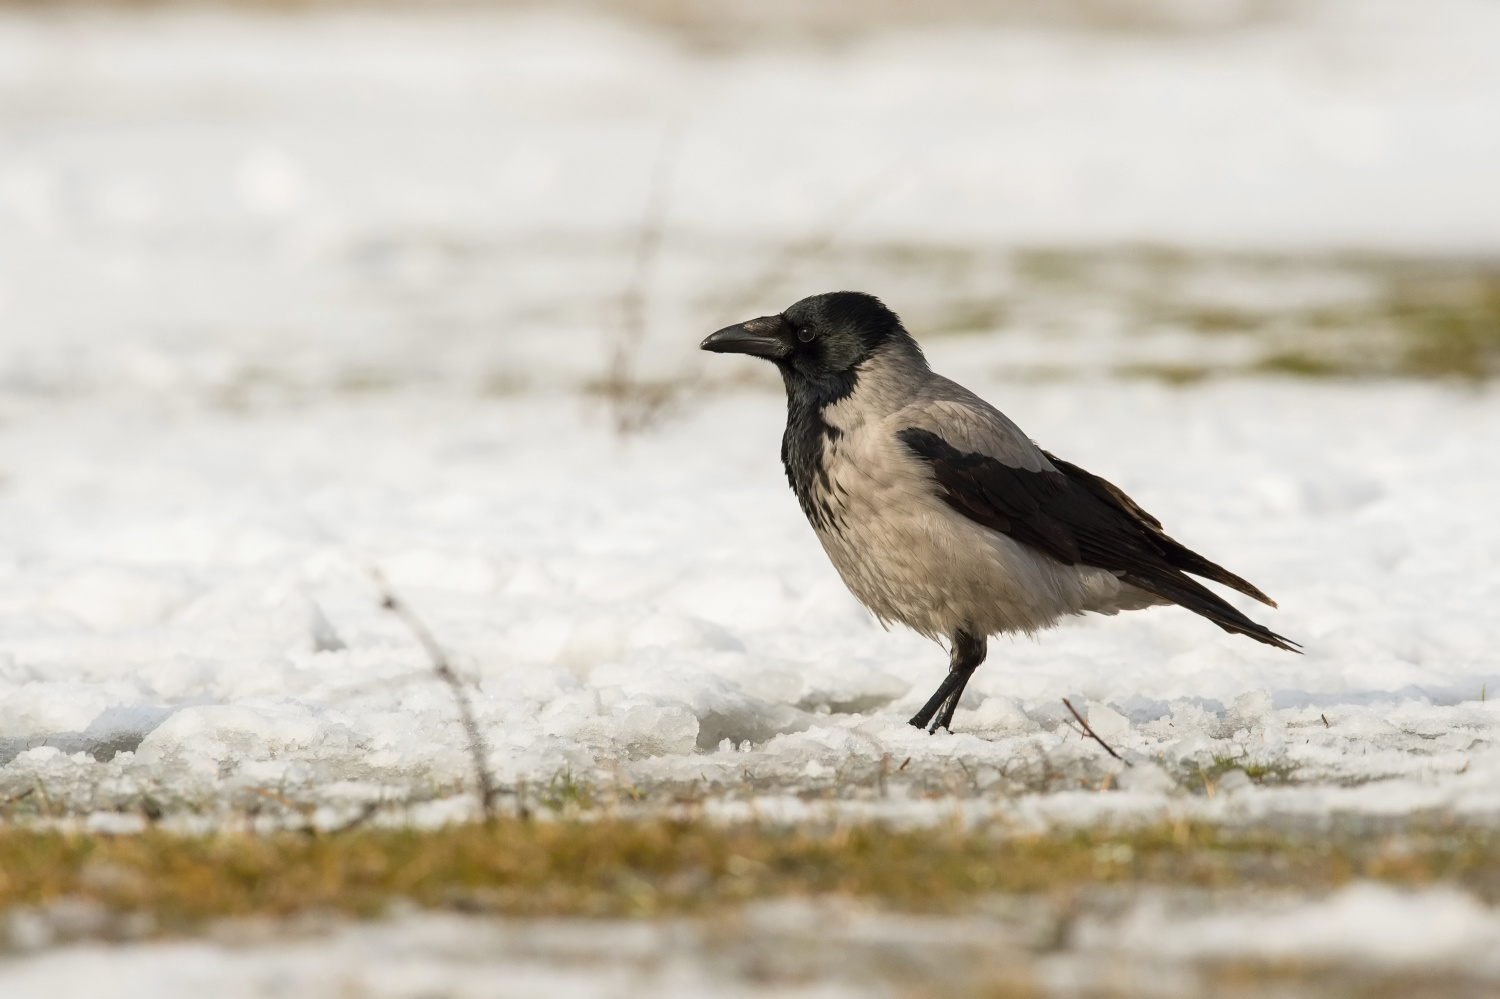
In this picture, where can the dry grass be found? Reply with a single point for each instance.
(1451, 322)
(612, 867)
(1309, 316)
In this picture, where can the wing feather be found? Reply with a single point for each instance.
(1079, 518)
(1177, 554)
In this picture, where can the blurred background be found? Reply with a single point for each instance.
(290, 290)
(247, 203)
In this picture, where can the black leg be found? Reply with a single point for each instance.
(944, 717)
(937, 700)
(968, 653)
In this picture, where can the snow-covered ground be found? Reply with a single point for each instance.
(285, 298)
(654, 611)
(1362, 940)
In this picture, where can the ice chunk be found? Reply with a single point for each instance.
(1107, 723)
(997, 716)
(228, 734)
(658, 729)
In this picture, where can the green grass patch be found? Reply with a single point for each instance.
(1451, 323)
(970, 316)
(1229, 314)
(1172, 374)
(1259, 772)
(1299, 364)
(614, 867)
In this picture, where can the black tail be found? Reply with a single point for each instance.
(1175, 586)
(1078, 518)
(1199, 599)
(1176, 554)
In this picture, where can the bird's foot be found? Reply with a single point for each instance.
(931, 712)
(933, 718)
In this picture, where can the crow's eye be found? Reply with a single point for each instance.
(806, 334)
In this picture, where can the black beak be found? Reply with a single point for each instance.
(766, 337)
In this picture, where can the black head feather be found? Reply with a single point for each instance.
(834, 332)
(818, 344)
(820, 338)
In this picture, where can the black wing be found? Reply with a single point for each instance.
(1081, 519)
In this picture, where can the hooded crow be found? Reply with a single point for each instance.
(939, 513)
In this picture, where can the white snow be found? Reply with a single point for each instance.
(287, 298)
(654, 610)
(1363, 923)
(1161, 945)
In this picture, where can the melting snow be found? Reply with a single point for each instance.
(255, 268)
(1160, 945)
(653, 611)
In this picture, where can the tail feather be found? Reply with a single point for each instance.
(1176, 554)
(1190, 561)
(1199, 599)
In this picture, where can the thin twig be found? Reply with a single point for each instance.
(634, 404)
(367, 812)
(283, 800)
(1092, 734)
(780, 267)
(445, 672)
(733, 305)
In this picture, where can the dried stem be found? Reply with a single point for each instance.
(780, 267)
(635, 403)
(1092, 734)
(281, 799)
(478, 749)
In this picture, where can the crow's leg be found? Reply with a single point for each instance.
(968, 653)
(937, 700)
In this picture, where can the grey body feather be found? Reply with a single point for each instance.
(910, 557)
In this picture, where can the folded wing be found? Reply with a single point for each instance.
(1081, 519)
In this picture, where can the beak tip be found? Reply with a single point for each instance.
(729, 340)
(755, 337)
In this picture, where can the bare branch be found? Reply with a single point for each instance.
(1092, 734)
(478, 749)
(633, 401)
(780, 267)
(731, 305)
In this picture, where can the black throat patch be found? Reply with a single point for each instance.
(808, 437)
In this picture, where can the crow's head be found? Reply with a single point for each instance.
(819, 336)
